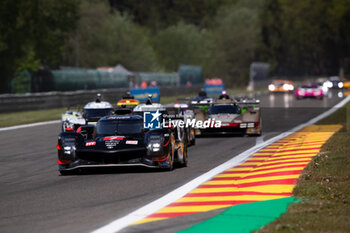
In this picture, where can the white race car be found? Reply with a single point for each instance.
(72, 119)
(92, 112)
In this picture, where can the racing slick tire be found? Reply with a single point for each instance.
(193, 141)
(261, 131)
(62, 127)
(171, 158)
(65, 173)
(185, 157)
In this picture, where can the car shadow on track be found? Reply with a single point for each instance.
(115, 170)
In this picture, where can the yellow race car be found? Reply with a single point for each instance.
(128, 102)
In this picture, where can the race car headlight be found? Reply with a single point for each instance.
(271, 87)
(340, 84)
(286, 86)
(154, 143)
(300, 92)
(154, 147)
(68, 124)
(68, 149)
(329, 84)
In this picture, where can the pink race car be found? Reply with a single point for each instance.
(309, 91)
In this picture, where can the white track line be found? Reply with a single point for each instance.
(156, 205)
(29, 125)
(260, 139)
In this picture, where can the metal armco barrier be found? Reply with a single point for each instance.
(48, 100)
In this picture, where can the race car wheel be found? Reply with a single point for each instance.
(65, 173)
(193, 141)
(260, 132)
(171, 158)
(185, 157)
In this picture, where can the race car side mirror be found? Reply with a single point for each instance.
(87, 131)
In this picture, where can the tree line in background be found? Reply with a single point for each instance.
(297, 37)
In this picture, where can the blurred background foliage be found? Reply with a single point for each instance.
(297, 37)
(105, 38)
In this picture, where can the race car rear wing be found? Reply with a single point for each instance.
(248, 101)
(249, 104)
(202, 102)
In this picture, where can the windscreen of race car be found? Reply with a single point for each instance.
(110, 128)
(221, 109)
(97, 112)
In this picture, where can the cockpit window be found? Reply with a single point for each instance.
(221, 109)
(119, 127)
(97, 112)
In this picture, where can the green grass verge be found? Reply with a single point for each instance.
(19, 118)
(339, 117)
(26, 117)
(325, 183)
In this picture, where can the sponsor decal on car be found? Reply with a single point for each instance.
(111, 144)
(131, 142)
(112, 141)
(118, 117)
(113, 138)
(90, 143)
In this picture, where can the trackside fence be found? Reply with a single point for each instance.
(49, 100)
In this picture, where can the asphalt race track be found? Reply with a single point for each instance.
(35, 198)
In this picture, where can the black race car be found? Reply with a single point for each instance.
(334, 82)
(119, 140)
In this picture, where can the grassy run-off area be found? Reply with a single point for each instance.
(26, 117)
(325, 184)
(19, 118)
